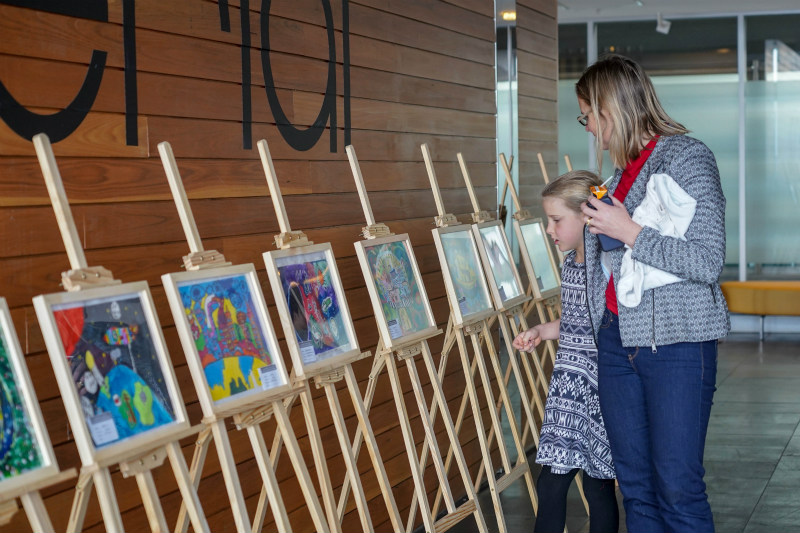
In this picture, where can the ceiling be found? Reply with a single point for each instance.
(584, 10)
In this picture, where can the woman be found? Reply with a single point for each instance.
(657, 361)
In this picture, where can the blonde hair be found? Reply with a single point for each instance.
(572, 188)
(620, 87)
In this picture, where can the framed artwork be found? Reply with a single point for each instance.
(537, 256)
(463, 274)
(227, 335)
(395, 287)
(26, 454)
(112, 368)
(312, 306)
(504, 280)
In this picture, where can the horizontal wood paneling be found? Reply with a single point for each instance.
(420, 71)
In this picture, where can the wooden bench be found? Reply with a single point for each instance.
(763, 298)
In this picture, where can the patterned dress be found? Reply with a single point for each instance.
(573, 434)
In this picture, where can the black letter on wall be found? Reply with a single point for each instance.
(298, 139)
(59, 125)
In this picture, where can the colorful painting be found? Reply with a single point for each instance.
(536, 243)
(19, 451)
(228, 335)
(464, 267)
(115, 367)
(496, 248)
(397, 289)
(314, 306)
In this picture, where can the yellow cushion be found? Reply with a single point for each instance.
(763, 297)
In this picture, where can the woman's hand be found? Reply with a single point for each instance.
(611, 220)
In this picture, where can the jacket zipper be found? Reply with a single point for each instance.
(653, 345)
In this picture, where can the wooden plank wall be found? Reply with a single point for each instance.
(537, 64)
(417, 71)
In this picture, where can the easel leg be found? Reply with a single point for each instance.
(477, 415)
(108, 501)
(372, 447)
(268, 477)
(430, 434)
(349, 461)
(36, 512)
(83, 490)
(231, 476)
(152, 505)
(506, 399)
(448, 424)
(190, 502)
(274, 455)
(195, 473)
(296, 457)
(320, 461)
(372, 385)
(411, 449)
(512, 361)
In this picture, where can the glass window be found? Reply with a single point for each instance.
(772, 103)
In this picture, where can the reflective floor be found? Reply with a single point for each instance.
(752, 455)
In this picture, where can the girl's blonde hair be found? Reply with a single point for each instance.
(620, 87)
(572, 188)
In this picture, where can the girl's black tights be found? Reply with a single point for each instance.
(552, 491)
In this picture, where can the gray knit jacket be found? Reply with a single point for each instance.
(693, 310)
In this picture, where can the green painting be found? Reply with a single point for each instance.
(398, 289)
(18, 443)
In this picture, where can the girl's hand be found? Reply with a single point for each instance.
(528, 340)
(611, 220)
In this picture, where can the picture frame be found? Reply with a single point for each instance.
(402, 310)
(113, 370)
(26, 453)
(312, 307)
(462, 270)
(502, 274)
(228, 338)
(537, 256)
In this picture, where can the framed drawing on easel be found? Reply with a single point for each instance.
(467, 290)
(26, 454)
(319, 330)
(112, 367)
(227, 335)
(538, 257)
(398, 296)
(504, 280)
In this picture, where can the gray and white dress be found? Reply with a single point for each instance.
(573, 434)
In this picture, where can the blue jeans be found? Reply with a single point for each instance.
(656, 408)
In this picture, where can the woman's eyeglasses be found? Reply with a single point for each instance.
(583, 120)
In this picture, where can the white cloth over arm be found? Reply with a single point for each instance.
(668, 209)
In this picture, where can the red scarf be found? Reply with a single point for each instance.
(625, 183)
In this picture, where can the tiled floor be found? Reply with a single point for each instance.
(752, 455)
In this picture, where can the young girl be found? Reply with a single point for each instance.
(573, 436)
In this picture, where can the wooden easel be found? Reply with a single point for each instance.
(474, 326)
(132, 461)
(506, 318)
(387, 354)
(549, 302)
(326, 378)
(251, 415)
